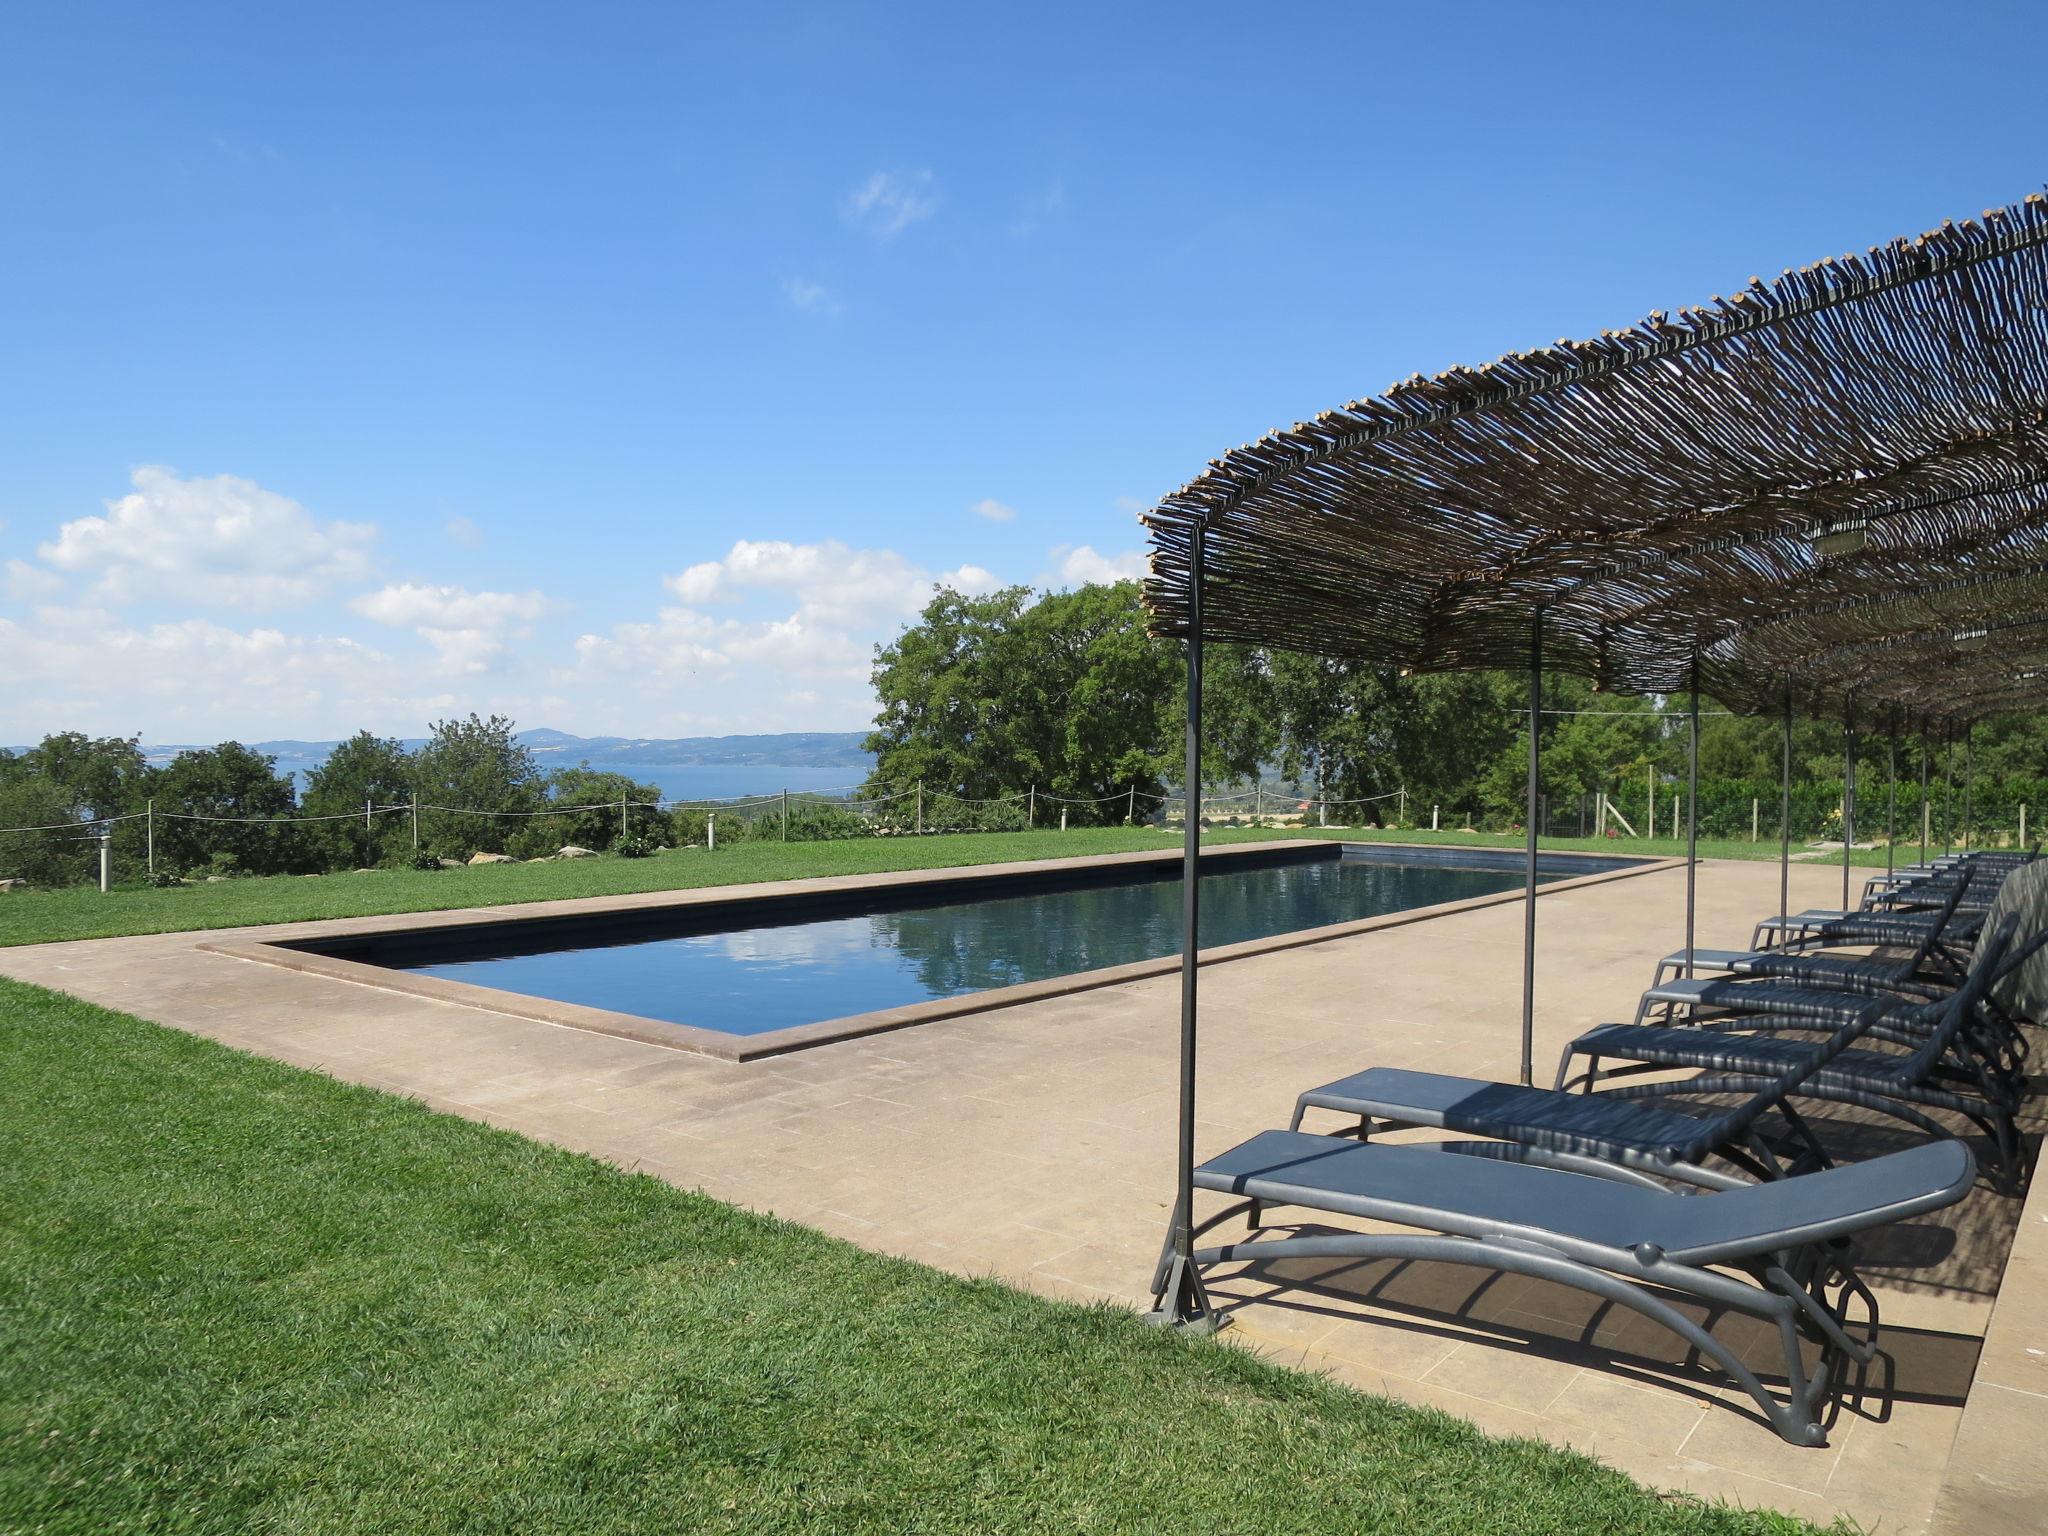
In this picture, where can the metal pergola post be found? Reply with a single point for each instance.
(1969, 785)
(1184, 1301)
(1848, 792)
(1891, 787)
(1529, 872)
(1692, 810)
(1923, 789)
(1948, 788)
(1785, 816)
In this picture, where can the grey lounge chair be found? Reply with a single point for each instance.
(1596, 1134)
(1776, 1251)
(1827, 970)
(1944, 1072)
(1990, 1036)
(1944, 912)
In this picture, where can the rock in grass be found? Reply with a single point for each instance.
(492, 858)
(571, 851)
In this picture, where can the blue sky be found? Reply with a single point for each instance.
(633, 369)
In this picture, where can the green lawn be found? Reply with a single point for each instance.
(237, 1297)
(32, 917)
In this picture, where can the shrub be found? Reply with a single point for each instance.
(633, 848)
(164, 879)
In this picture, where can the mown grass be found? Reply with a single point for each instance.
(33, 917)
(239, 1297)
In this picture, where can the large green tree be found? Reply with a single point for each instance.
(364, 770)
(233, 814)
(597, 827)
(1068, 693)
(482, 780)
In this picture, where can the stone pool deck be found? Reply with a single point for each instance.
(1035, 1142)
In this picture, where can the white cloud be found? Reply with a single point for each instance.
(889, 202)
(24, 583)
(701, 583)
(804, 293)
(831, 582)
(469, 631)
(1081, 565)
(795, 627)
(451, 607)
(223, 541)
(463, 531)
(78, 668)
(995, 511)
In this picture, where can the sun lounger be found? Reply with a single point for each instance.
(1945, 1071)
(1597, 1134)
(1777, 1252)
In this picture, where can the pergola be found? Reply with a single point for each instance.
(1827, 492)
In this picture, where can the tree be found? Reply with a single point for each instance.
(596, 828)
(991, 696)
(61, 857)
(1338, 724)
(99, 777)
(364, 769)
(475, 767)
(250, 806)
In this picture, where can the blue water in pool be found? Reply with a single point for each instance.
(759, 979)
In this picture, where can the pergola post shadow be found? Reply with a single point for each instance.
(1529, 871)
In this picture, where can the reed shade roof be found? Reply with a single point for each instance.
(1662, 487)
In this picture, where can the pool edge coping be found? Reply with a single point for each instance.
(697, 1040)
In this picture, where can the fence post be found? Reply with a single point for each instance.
(1432, 816)
(1650, 828)
(1131, 812)
(106, 857)
(415, 823)
(710, 831)
(1754, 814)
(785, 815)
(368, 830)
(1031, 808)
(920, 807)
(1063, 818)
(1258, 804)
(151, 825)
(1404, 805)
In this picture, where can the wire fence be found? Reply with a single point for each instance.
(163, 844)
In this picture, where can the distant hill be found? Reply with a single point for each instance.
(795, 749)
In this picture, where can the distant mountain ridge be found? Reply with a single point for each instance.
(561, 749)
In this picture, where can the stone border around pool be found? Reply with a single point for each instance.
(741, 1048)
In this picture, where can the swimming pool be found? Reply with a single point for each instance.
(759, 964)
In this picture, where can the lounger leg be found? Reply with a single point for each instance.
(1564, 1067)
